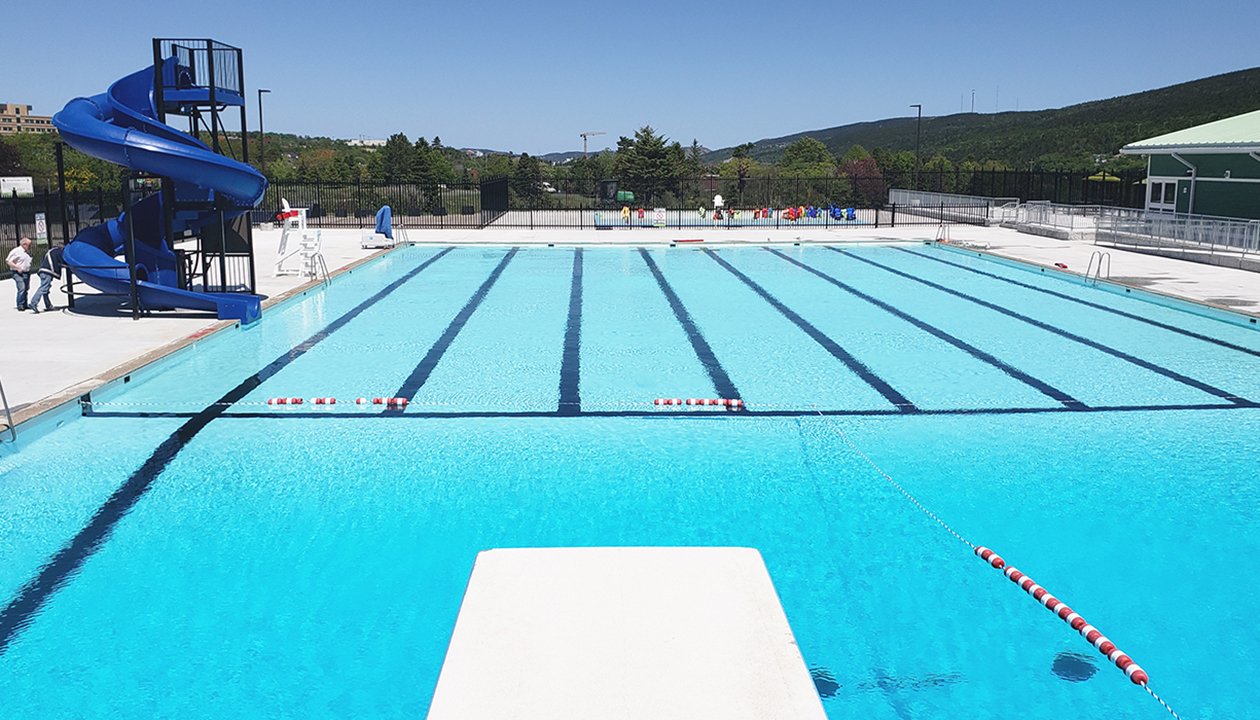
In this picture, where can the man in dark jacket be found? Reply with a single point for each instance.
(49, 268)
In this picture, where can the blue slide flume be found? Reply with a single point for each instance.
(121, 127)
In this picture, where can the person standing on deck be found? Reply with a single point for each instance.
(49, 268)
(19, 262)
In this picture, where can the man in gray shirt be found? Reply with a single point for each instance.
(49, 270)
(19, 262)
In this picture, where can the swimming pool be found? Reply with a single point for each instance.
(184, 549)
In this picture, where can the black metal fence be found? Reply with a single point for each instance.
(354, 205)
(832, 217)
(750, 202)
(18, 217)
(1124, 189)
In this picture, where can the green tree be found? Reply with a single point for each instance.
(10, 160)
(497, 166)
(808, 157)
(396, 159)
(741, 166)
(648, 166)
(937, 175)
(855, 153)
(421, 170)
(695, 159)
(526, 180)
(440, 159)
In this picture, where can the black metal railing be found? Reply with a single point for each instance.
(19, 218)
(209, 63)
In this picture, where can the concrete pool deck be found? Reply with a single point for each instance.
(668, 633)
(52, 358)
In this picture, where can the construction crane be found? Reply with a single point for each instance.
(589, 134)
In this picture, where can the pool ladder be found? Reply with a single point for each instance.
(1094, 272)
(8, 415)
(319, 269)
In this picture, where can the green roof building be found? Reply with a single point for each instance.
(1211, 169)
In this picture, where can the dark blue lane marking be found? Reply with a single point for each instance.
(1087, 303)
(901, 402)
(1148, 365)
(721, 381)
(571, 364)
(425, 368)
(1039, 385)
(21, 610)
(677, 414)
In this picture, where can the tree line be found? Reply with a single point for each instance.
(658, 171)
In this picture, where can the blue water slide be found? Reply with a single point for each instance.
(120, 126)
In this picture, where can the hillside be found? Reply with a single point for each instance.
(1064, 137)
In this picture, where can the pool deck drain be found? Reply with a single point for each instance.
(623, 633)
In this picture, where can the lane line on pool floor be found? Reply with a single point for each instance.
(722, 383)
(746, 413)
(1039, 385)
(1132, 359)
(571, 360)
(891, 394)
(1088, 303)
(21, 610)
(420, 375)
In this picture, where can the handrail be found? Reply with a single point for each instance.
(318, 259)
(8, 415)
(1097, 272)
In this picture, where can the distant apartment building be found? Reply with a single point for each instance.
(18, 118)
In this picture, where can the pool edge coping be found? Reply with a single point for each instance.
(50, 405)
(1203, 308)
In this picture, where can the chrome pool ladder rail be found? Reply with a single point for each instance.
(319, 268)
(1095, 270)
(8, 415)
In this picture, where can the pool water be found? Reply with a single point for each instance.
(185, 550)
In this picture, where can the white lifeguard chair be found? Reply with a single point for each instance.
(299, 252)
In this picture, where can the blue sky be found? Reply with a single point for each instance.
(529, 76)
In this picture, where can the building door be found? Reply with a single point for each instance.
(1161, 194)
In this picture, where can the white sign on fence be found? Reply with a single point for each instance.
(22, 186)
(658, 217)
(41, 228)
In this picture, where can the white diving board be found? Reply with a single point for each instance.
(623, 634)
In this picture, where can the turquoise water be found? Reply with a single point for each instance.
(310, 563)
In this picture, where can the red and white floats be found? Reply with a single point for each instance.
(732, 403)
(326, 401)
(285, 401)
(393, 402)
(1091, 634)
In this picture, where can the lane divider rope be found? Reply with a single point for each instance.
(1092, 635)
